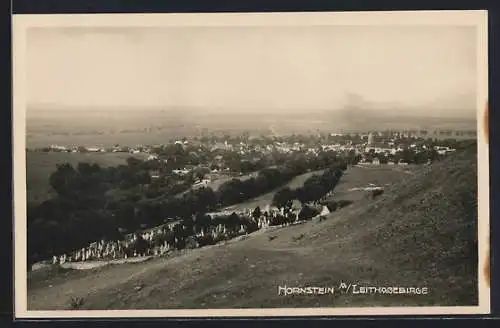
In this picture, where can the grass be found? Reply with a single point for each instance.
(39, 167)
(362, 176)
(76, 303)
(356, 177)
(420, 233)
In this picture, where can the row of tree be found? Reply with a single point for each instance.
(313, 190)
(94, 202)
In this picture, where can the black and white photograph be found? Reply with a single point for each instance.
(250, 164)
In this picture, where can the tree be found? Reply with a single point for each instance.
(283, 197)
(140, 245)
(203, 221)
(178, 231)
(207, 199)
(257, 213)
(62, 179)
(314, 191)
(200, 173)
(408, 156)
(233, 221)
(302, 196)
(307, 213)
(433, 155)
(143, 178)
(134, 163)
(332, 206)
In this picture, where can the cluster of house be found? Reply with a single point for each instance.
(414, 133)
(99, 149)
(276, 146)
(367, 145)
(441, 150)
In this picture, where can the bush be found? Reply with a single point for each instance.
(332, 206)
(76, 303)
(377, 192)
(307, 213)
(344, 203)
(205, 240)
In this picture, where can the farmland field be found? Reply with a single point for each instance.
(107, 128)
(40, 165)
(101, 127)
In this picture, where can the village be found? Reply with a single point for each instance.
(374, 147)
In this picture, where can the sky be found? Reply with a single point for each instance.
(301, 68)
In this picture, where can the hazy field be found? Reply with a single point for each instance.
(107, 128)
(40, 165)
(421, 232)
(133, 127)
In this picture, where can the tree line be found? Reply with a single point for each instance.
(96, 202)
(314, 188)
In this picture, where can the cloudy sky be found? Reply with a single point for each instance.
(429, 68)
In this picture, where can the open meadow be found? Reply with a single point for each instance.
(362, 176)
(355, 177)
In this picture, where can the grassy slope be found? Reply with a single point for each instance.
(420, 232)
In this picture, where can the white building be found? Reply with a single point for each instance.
(370, 138)
(152, 157)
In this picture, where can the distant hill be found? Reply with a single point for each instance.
(422, 232)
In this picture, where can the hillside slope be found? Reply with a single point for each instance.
(421, 232)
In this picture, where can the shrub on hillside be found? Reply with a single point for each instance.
(332, 206)
(344, 203)
(307, 213)
(377, 192)
(76, 302)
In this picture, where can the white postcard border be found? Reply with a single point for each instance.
(22, 22)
